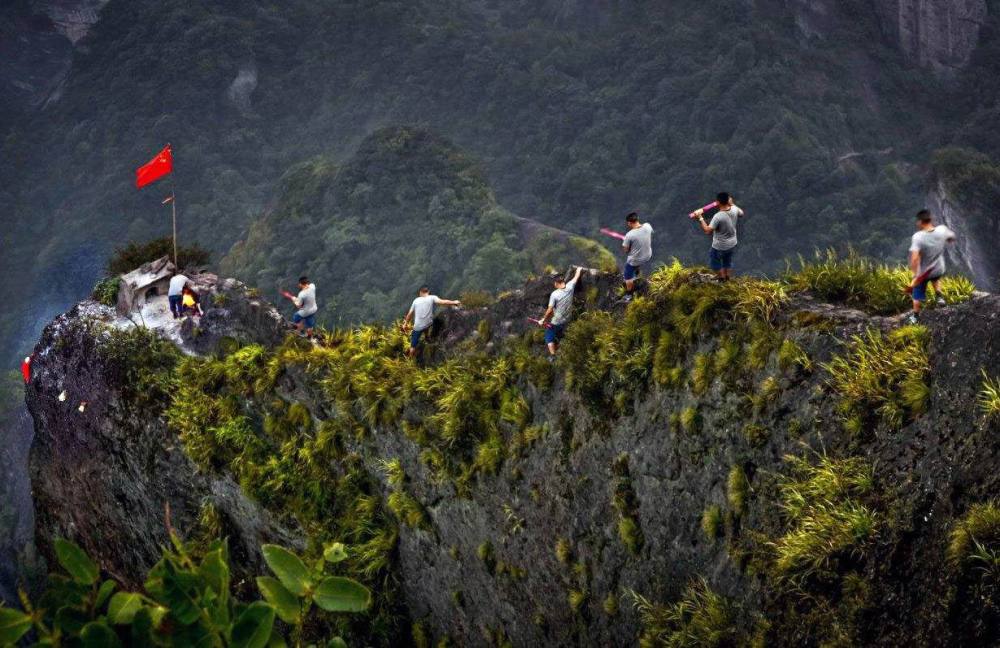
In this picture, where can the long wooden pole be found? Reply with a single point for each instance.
(173, 208)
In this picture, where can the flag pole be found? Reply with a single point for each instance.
(173, 209)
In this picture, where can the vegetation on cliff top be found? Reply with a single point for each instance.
(302, 452)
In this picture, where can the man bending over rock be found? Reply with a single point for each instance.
(305, 301)
(422, 313)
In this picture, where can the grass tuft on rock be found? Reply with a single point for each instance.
(884, 376)
(974, 534)
(700, 618)
(827, 518)
(989, 397)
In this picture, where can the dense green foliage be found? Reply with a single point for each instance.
(407, 210)
(186, 601)
(874, 287)
(132, 255)
(580, 112)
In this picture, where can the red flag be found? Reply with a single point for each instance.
(155, 169)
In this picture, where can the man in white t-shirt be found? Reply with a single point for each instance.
(559, 310)
(175, 294)
(422, 314)
(927, 261)
(305, 301)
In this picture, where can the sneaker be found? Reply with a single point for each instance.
(940, 301)
(627, 298)
(910, 319)
(551, 358)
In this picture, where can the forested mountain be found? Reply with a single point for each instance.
(820, 116)
(405, 211)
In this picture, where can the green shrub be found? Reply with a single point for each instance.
(472, 299)
(884, 374)
(610, 604)
(564, 551)
(576, 599)
(690, 420)
(956, 289)
(630, 535)
(132, 255)
(700, 619)
(701, 373)
(755, 434)
(106, 291)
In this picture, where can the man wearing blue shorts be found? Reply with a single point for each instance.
(305, 301)
(560, 308)
(638, 246)
(722, 229)
(422, 313)
(927, 261)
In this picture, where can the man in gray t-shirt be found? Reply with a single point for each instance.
(927, 260)
(559, 310)
(722, 229)
(638, 246)
(422, 313)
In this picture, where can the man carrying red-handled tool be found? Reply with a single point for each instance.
(927, 261)
(560, 308)
(722, 229)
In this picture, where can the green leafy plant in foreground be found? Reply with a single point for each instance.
(186, 602)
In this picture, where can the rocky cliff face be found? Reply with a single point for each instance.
(36, 48)
(936, 34)
(104, 470)
(543, 547)
(978, 235)
(17, 528)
